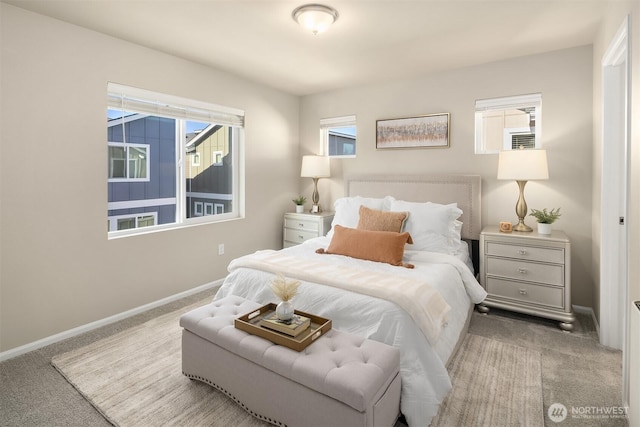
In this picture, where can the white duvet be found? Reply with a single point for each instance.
(425, 381)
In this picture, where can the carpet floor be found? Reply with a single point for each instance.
(134, 379)
(574, 370)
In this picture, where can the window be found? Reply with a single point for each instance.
(338, 136)
(195, 159)
(508, 123)
(128, 222)
(128, 162)
(217, 158)
(178, 158)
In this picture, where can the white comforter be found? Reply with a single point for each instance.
(425, 381)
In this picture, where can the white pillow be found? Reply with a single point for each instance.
(433, 227)
(348, 211)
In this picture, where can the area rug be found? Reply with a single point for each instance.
(494, 384)
(134, 378)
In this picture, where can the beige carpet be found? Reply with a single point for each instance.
(134, 378)
(494, 384)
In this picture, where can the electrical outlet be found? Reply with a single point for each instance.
(221, 249)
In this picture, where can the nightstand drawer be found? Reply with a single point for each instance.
(298, 236)
(531, 253)
(521, 270)
(301, 224)
(526, 292)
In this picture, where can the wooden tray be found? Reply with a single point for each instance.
(250, 323)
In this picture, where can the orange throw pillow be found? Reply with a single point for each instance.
(375, 220)
(379, 246)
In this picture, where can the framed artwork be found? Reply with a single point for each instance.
(429, 131)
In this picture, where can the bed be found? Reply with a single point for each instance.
(422, 305)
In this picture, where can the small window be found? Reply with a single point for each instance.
(208, 208)
(338, 136)
(197, 209)
(195, 159)
(129, 222)
(508, 123)
(217, 158)
(219, 208)
(128, 162)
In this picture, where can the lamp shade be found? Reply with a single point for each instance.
(315, 167)
(523, 165)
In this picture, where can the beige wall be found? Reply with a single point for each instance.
(565, 80)
(58, 270)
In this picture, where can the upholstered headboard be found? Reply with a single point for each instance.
(461, 189)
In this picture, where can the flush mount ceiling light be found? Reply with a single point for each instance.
(317, 18)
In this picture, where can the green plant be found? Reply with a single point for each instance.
(544, 216)
(300, 201)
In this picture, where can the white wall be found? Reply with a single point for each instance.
(565, 80)
(58, 269)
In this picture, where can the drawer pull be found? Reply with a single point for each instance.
(300, 237)
(301, 225)
(522, 270)
(522, 252)
(523, 292)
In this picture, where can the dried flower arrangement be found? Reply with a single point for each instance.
(283, 288)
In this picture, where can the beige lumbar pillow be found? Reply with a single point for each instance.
(379, 246)
(375, 220)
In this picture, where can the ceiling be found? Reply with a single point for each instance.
(371, 42)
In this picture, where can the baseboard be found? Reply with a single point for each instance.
(14, 352)
(588, 310)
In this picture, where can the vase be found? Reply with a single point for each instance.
(544, 228)
(284, 310)
(299, 208)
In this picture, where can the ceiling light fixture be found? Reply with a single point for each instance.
(317, 18)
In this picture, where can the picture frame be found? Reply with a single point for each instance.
(427, 131)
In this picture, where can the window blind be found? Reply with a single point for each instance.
(144, 101)
(335, 122)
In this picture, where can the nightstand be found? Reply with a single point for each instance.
(527, 272)
(299, 227)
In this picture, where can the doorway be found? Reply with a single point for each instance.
(614, 247)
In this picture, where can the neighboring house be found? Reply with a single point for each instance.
(142, 171)
(207, 172)
(142, 175)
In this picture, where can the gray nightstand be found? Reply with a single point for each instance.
(299, 227)
(527, 272)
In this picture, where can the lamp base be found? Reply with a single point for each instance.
(522, 227)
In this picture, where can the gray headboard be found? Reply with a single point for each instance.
(461, 189)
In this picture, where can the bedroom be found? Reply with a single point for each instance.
(65, 68)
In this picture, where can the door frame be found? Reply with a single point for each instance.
(614, 239)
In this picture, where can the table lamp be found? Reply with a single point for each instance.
(315, 167)
(522, 166)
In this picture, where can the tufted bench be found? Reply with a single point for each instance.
(339, 380)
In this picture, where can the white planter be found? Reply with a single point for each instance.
(299, 208)
(544, 228)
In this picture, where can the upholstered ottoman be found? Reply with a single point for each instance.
(339, 380)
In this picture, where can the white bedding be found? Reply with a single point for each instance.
(425, 381)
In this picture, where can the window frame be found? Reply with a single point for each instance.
(141, 101)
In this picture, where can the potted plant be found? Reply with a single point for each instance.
(299, 202)
(545, 219)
